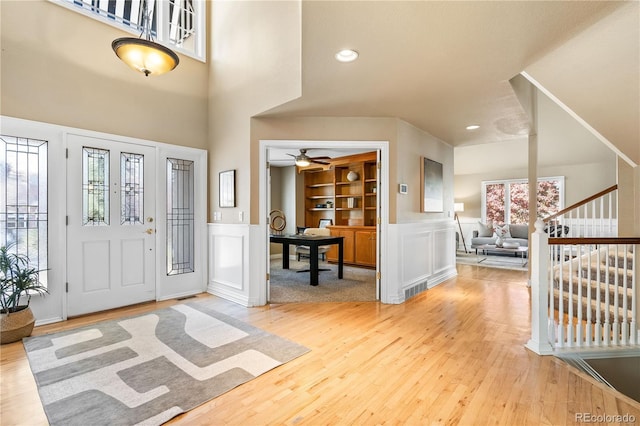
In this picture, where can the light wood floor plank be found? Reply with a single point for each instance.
(451, 355)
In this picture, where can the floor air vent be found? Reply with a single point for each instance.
(186, 297)
(416, 289)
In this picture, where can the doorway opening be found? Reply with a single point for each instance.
(322, 193)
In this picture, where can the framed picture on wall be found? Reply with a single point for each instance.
(227, 188)
(431, 188)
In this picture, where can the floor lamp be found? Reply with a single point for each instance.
(459, 207)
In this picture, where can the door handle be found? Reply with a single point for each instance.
(150, 231)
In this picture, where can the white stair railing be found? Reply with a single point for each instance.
(584, 292)
(595, 216)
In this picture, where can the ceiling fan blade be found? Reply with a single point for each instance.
(294, 156)
(319, 158)
(315, 160)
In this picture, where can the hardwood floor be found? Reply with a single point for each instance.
(451, 355)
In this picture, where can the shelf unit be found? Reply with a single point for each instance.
(330, 194)
(353, 205)
(319, 190)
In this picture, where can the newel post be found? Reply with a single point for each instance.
(539, 342)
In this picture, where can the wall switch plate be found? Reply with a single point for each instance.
(241, 216)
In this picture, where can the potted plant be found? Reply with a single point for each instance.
(18, 281)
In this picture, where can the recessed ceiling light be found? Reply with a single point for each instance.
(473, 127)
(347, 55)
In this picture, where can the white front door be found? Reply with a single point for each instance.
(111, 235)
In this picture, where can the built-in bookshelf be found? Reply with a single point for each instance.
(345, 192)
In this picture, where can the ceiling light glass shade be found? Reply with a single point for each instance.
(302, 162)
(473, 127)
(145, 56)
(347, 55)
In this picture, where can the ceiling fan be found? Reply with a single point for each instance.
(303, 160)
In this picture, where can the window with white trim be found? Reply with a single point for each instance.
(507, 201)
(176, 24)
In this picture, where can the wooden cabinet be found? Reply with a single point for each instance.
(348, 255)
(359, 245)
(365, 247)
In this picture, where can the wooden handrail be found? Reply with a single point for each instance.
(581, 203)
(594, 240)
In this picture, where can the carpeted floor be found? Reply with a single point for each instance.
(149, 368)
(288, 286)
(499, 261)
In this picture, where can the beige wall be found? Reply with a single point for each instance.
(581, 181)
(254, 65)
(318, 129)
(413, 144)
(58, 67)
(593, 56)
(406, 145)
(565, 148)
(629, 200)
(285, 197)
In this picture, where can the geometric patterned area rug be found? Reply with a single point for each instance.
(149, 368)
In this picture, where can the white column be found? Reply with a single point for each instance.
(539, 342)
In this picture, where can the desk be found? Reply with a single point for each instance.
(313, 241)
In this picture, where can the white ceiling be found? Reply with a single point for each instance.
(439, 65)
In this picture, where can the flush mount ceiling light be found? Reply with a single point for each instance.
(143, 54)
(473, 127)
(347, 55)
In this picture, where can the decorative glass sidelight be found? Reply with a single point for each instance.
(132, 189)
(95, 186)
(180, 216)
(23, 199)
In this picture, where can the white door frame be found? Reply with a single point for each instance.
(383, 194)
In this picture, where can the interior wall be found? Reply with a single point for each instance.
(581, 181)
(628, 199)
(57, 66)
(414, 143)
(565, 148)
(324, 128)
(586, 72)
(276, 201)
(248, 74)
(285, 197)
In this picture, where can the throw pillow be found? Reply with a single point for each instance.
(519, 231)
(486, 230)
(503, 231)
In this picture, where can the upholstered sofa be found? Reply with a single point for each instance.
(486, 235)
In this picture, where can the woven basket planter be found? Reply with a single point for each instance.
(16, 325)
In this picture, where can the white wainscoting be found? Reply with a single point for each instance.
(421, 256)
(228, 253)
(418, 256)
